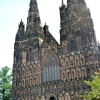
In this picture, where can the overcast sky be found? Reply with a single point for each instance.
(12, 11)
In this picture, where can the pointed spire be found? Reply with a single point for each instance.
(20, 31)
(33, 20)
(45, 24)
(46, 29)
(33, 11)
(21, 20)
(33, 4)
(62, 2)
(21, 24)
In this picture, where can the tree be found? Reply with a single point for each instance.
(5, 83)
(94, 93)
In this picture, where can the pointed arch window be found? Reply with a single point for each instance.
(51, 68)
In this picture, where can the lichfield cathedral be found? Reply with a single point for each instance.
(44, 69)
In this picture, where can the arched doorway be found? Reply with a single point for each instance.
(52, 98)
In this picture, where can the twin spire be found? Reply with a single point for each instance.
(33, 20)
(33, 10)
(33, 4)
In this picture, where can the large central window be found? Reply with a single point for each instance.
(51, 68)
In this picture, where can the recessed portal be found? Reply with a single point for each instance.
(52, 98)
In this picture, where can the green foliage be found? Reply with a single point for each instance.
(94, 93)
(5, 83)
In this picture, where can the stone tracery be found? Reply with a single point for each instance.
(51, 67)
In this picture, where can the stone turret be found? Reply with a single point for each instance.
(20, 31)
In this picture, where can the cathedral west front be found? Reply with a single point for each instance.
(43, 69)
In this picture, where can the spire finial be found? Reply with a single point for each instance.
(62, 2)
(21, 20)
(98, 42)
(45, 23)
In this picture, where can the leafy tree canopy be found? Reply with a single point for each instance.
(94, 93)
(5, 83)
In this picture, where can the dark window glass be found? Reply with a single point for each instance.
(51, 68)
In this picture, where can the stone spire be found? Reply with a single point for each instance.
(33, 20)
(33, 10)
(21, 25)
(62, 2)
(20, 31)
